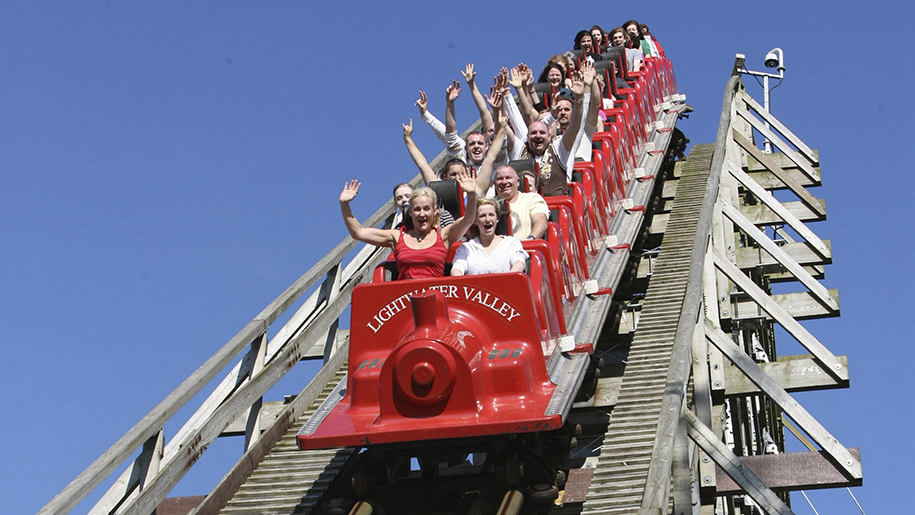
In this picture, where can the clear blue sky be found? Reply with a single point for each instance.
(168, 168)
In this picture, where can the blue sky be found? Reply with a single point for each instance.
(169, 168)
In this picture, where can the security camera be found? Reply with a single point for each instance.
(771, 60)
(775, 59)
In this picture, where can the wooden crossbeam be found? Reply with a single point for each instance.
(760, 214)
(800, 305)
(752, 257)
(823, 356)
(798, 159)
(791, 471)
(753, 166)
(793, 373)
(779, 209)
(801, 192)
(792, 408)
(769, 246)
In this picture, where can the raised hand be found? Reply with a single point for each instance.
(422, 103)
(526, 74)
(503, 118)
(515, 78)
(494, 99)
(453, 91)
(408, 129)
(467, 182)
(469, 74)
(588, 72)
(503, 79)
(554, 105)
(350, 190)
(578, 84)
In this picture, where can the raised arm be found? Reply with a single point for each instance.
(484, 174)
(434, 123)
(590, 77)
(518, 78)
(418, 158)
(485, 117)
(370, 235)
(570, 136)
(518, 123)
(455, 231)
(451, 93)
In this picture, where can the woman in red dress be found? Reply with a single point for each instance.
(420, 252)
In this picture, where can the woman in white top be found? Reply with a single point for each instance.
(488, 253)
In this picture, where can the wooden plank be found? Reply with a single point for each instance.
(801, 162)
(607, 392)
(138, 475)
(678, 169)
(659, 223)
(178, 505)
(702, 385)
(577, 484)
(780, 210)
(799, 305)
(780, 127)
(269, 411)
(801, 253)
(817, 272)
(792, 408)
(724, 242)
(770, 182)
(734, 468)
(646, 267)
(784, 162)
(253, 424)
(802, 335)
(805, 196)
(791, 471)
(710, 305)
(680, 470)
(669, 189)
(761, 214)
(793, 373)
(769, 246)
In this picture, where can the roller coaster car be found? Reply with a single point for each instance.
(475, 358)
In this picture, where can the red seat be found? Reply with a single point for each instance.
(595, 193)
(545, 288)
(573, 239)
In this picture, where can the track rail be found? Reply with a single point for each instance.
(622, 470)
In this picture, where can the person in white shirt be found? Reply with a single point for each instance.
(488, 253)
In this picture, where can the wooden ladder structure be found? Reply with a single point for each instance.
(697, 425)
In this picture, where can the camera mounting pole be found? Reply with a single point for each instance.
(775, 58)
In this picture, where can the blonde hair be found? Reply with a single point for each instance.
(426, 191)
(488, 201)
